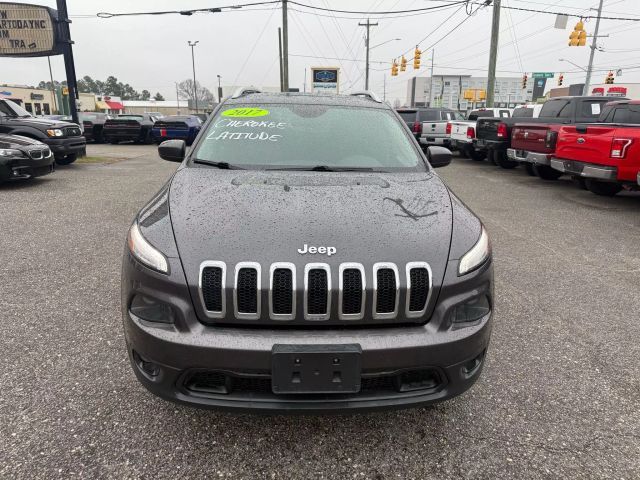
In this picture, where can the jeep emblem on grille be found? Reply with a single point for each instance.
(313, 250)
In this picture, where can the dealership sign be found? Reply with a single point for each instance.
(325, 79)
(27, 30)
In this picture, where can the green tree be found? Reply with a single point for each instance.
(145, 95)
(158, 97)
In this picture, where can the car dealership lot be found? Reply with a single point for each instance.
(558, 397)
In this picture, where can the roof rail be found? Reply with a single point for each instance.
(242, 91)
(368, 94)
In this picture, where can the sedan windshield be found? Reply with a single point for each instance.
(304, 136)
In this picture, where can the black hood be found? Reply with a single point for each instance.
(235, 216)
(40, 123)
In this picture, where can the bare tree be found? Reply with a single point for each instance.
(204, 95)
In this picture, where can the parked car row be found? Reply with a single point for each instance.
(593, 139)
(145, 128)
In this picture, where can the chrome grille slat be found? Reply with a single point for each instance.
(237, 303)
(309, 267)
(345, 292)
(386, 314)
(275, 291)
(411, 266)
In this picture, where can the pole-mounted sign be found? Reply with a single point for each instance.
(28, 30)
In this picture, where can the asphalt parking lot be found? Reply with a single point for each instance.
(558, 397)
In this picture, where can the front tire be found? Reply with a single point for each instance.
(605, 189)
(67, 159)
(545, 172)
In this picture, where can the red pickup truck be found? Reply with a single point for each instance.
(533, 142)
(606, 155)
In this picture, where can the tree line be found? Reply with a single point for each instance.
(114, 88)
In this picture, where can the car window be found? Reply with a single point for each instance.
(620, 115)
(304, 136)
(12, 109)
(633, 114)
(408, 116)
(523, 112)
(129, 117)
(505, 113)
(475, 114)
(591, 108)
(552, 108)
(429, 115)
(565, 111)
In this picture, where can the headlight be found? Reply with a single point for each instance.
(144, 251)
(477, 255)
(10, 152)
(55, 133)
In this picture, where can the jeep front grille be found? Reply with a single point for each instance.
(374, 300)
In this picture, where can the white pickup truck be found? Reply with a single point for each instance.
(463, 132)
(429, 124)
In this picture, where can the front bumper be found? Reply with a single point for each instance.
(529, 157)
(241, 358)
(61, 147)
(20, 168)
(585, 170)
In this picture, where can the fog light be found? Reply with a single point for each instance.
(470, 368)
(145, 365)
(471, 310)
(152, 310)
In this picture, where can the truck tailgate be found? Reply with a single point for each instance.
(459, 130)
(585, 144)
(487, 129)
(530, 138)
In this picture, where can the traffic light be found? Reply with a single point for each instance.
(394, 68)
(403, 64)
(609, 78)
(578, 37)
(416, 58)
(560, 79)
(524, 81)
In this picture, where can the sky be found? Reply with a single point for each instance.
(241, 45)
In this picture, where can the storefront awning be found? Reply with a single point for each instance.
(102, 105)
(115, 105)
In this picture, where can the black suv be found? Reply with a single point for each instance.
(296, 261)
(63, 138)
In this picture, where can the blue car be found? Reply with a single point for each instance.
(177, 127)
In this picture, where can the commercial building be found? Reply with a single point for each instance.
(38, 101)
(450, 91)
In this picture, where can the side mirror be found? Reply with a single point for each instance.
(438, 156)
(172, 150)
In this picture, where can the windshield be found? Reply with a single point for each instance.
(12, 109)
(129, 117)
(276, 136)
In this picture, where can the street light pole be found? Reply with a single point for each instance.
(219, 89)
(193, 63)
(177, 97)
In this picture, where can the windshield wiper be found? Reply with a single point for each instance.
(326, 168)
(221, 165)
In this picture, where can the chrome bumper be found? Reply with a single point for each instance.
(586, 170)
(528, 157)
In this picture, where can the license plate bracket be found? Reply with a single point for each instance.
(316, 368)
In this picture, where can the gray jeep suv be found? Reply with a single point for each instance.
(298, 262)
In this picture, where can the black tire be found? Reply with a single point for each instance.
(530, 169)
(67, 159)
(491, 155)
(463, 153)
(477, 155)
(605, 189)
(98, 137)
(503, 161)
(545, 172)
(579, 182)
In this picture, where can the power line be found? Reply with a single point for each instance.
(390, 12)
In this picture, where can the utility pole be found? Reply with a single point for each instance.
(433, 54)
(53, 88)
(219, 89)
(384, 88)
(493, 53)
(193, 63)
(594, 45)
(304, 85)
(368, 25)
(69, 66)
(285, 48)
(280, 51)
